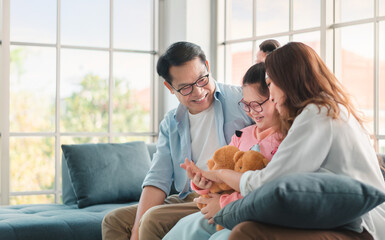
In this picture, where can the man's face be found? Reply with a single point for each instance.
(200, 98)
(261, 56)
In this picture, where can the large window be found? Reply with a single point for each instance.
(77, 72)
(348, 34)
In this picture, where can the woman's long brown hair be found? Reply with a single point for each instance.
(302, 75)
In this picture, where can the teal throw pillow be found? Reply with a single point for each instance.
(106, 172)
(304, 200)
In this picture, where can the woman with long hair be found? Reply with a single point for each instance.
(326, 134)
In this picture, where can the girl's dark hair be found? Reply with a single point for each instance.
(176, 55)
(256, 74)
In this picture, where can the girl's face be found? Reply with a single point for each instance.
(277, 96)
(264, 119)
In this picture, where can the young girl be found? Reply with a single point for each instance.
(325, 135)
(263, 136)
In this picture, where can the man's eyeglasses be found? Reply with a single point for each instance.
(256, 106)
(201, 82)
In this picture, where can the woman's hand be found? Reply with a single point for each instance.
(212, 206)
(192, 170)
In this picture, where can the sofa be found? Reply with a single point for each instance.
(80, 217)
(97, 178)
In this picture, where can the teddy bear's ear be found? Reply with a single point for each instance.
(238, 155)
(210, 164)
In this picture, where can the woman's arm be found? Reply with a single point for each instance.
(230, 177)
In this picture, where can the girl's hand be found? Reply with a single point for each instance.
(201, 182)
(212, 206)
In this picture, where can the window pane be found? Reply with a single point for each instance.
(354, 66)
(33, 21)
(84, 91)
(239, 58)
(1, 21)
(85, 23)
(382, 79)
(221, 72)
(350, 10)
(306, 13)
(272, 16)
(32, 199)
(132, 92)
(32, 163)
(80, 140)
(133, 24)
(146, 139)
(240, 19)
(382, 7)
(32, 89)
(311, 39)
(382, 146)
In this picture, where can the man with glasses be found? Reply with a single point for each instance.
(204, 121)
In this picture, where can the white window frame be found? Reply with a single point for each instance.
(328, 39)
(5, 133)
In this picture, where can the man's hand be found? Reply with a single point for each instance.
(150, 197)
(212, 206)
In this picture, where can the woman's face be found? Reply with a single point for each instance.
(265, 118)
(277, 96)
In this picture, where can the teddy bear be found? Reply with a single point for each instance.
(230, 157)
(222, 159)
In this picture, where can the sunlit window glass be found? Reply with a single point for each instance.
(133, 24)
(272, 16)
(306, 13)
(132, 92)
(382, 80)
(381, 146)
(32, 199)
(311, 39)
(32, 89)
(382, 7)
(85, 23)
(354, 66)
(82, 140)
(240, 19)
(221, 76)
(239, 59)
(350, 10)
(32, 163)
(130, 139)
(84, 91)
(33, 21)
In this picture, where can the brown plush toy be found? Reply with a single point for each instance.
(229, 157)
(249, 160)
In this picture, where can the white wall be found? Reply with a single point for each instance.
(182, 20)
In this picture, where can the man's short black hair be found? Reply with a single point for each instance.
(269, 45)
(176, 55)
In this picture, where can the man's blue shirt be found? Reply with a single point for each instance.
(174, 144)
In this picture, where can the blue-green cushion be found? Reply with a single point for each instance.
(107, 172)
(304, 200)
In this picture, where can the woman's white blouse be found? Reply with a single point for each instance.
(318, 143)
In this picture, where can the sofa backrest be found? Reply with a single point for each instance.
(69, 196)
